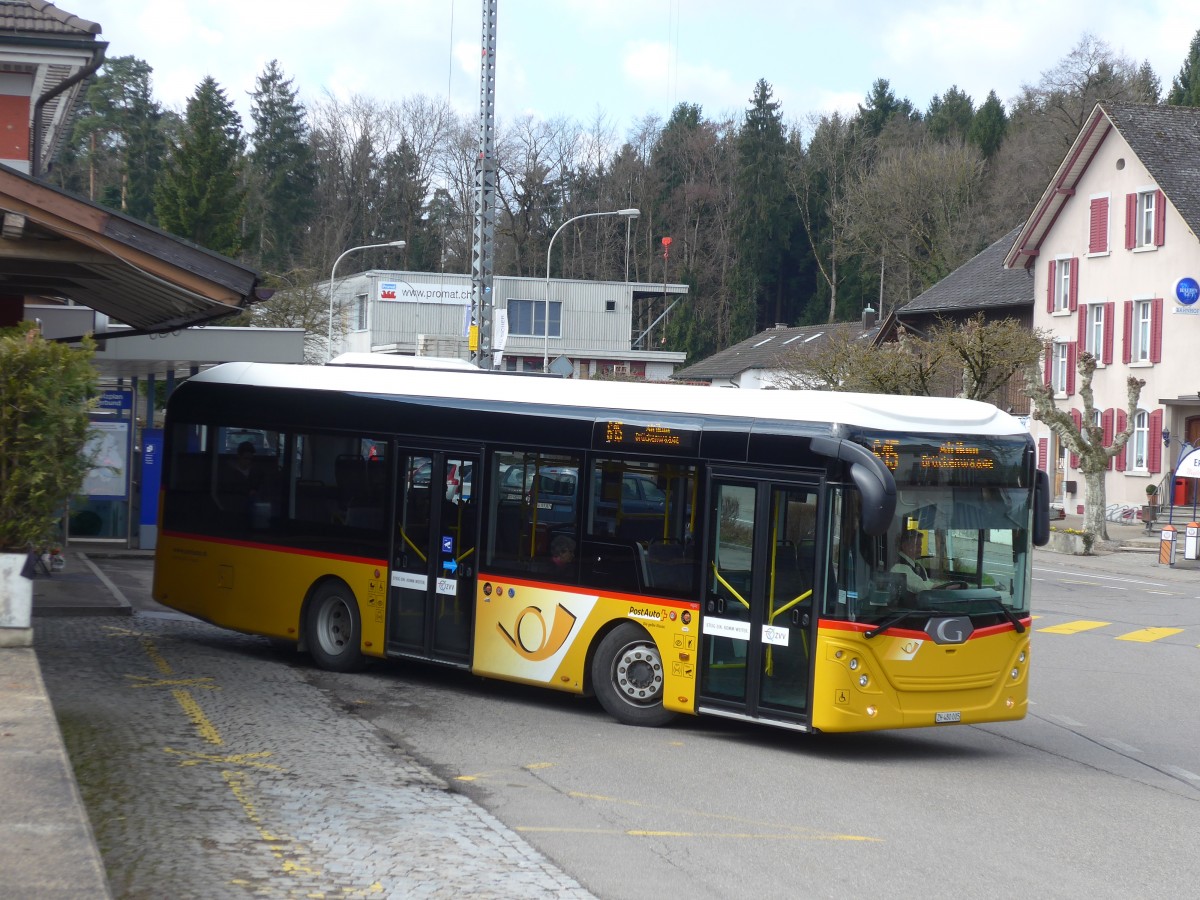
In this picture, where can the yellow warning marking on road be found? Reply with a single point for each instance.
(1146, 635)
(533, 766)
(204, 681)
(157, 658)
(1073, 627)
(747, 835)
(248, 760)
(192, 709)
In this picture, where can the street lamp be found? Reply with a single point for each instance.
(332, 273)
(628, 214)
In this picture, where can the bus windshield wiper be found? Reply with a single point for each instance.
(1007, 613)
(894, 620)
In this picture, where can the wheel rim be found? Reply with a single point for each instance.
(335, 628)
(637, 674)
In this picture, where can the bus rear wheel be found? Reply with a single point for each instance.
(627, 676)
(334, 629)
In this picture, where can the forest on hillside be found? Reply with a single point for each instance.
(773, 216)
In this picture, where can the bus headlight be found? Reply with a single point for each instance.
(863, 679)
(1016, 673)
(1021, 657)
(853, 663)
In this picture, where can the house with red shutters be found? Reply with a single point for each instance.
(1113, 248)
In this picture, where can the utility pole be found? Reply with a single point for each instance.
(483, 248)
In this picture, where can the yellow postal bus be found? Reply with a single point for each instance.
(668, 549)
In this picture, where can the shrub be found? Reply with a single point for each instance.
(45, 388)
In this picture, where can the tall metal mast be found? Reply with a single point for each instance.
(484, 247)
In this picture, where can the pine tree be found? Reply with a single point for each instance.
(950, 116)
(283, 171)
(119, 140)
(198, 197)
(763, 214)
(1185, 87)
(989, 126)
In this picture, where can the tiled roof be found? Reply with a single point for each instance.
(981, 282)
(40, 17)
(763, 350)
(1165, 140)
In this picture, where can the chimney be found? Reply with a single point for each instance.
(869, 318)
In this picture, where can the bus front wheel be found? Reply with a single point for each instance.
(334, 629)
(627, 676)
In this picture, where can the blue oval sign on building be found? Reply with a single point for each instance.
(1187, 291)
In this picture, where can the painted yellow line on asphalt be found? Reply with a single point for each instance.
(192, 709)
(1146, 635)
(249, 760)
(204, 681)
(157, 658)
(1073, 627)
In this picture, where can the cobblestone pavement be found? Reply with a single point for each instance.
(211, 768)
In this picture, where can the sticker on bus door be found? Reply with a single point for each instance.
(731, 628)
(415, 581)
(772, 634)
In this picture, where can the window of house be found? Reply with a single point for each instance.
(360, 312)
(1095, 330)
(527, 318)
(1140, 440)
(1058, 367)
(1062, 285)
(1146, 204)
(1142, 321)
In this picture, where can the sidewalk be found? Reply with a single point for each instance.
(46, 844)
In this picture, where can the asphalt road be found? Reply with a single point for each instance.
(1096, 793)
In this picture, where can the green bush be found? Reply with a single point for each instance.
(45, 389)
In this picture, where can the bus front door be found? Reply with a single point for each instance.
(757, 619)
(430, 601)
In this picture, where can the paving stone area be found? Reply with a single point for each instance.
(211, 768)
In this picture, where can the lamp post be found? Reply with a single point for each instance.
(332, 274)
(629, 215)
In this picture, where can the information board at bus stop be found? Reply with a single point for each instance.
(152, 442)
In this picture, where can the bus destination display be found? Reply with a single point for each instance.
(650, 436)
(948, 455)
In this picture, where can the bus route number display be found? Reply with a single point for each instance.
(947, 456)
(645, 436)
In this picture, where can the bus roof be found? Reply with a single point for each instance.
(859, 411)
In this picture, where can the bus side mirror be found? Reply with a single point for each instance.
(1041, 508)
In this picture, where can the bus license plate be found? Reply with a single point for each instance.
(943, 717)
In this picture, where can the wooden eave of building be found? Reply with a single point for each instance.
(58, 246)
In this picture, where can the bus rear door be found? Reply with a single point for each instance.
(757, 619)
(432, 578)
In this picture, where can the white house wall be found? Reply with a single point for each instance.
(1116, 276)
(597, 317)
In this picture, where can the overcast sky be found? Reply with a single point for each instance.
(626, 59)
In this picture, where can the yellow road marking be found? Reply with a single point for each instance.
(192, 709)
(249, 760)
(1073, 627)
(204, 681)
(157, 658)
(1146, 635)
(533, 766)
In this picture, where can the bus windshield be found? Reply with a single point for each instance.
(962, 550)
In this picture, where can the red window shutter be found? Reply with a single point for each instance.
(1077, 418)
(1082, 337)
(1156, 314)
(1098, 226)
(1130, 221)
(1106, 423)
(1050, 269)
(1153, 440)
(1043, 453)
(1122, 421)
(1049, 367)
(1160, 218)
(1110, 311)
(1073, 291)
(1127, 336)
(1072, 361)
